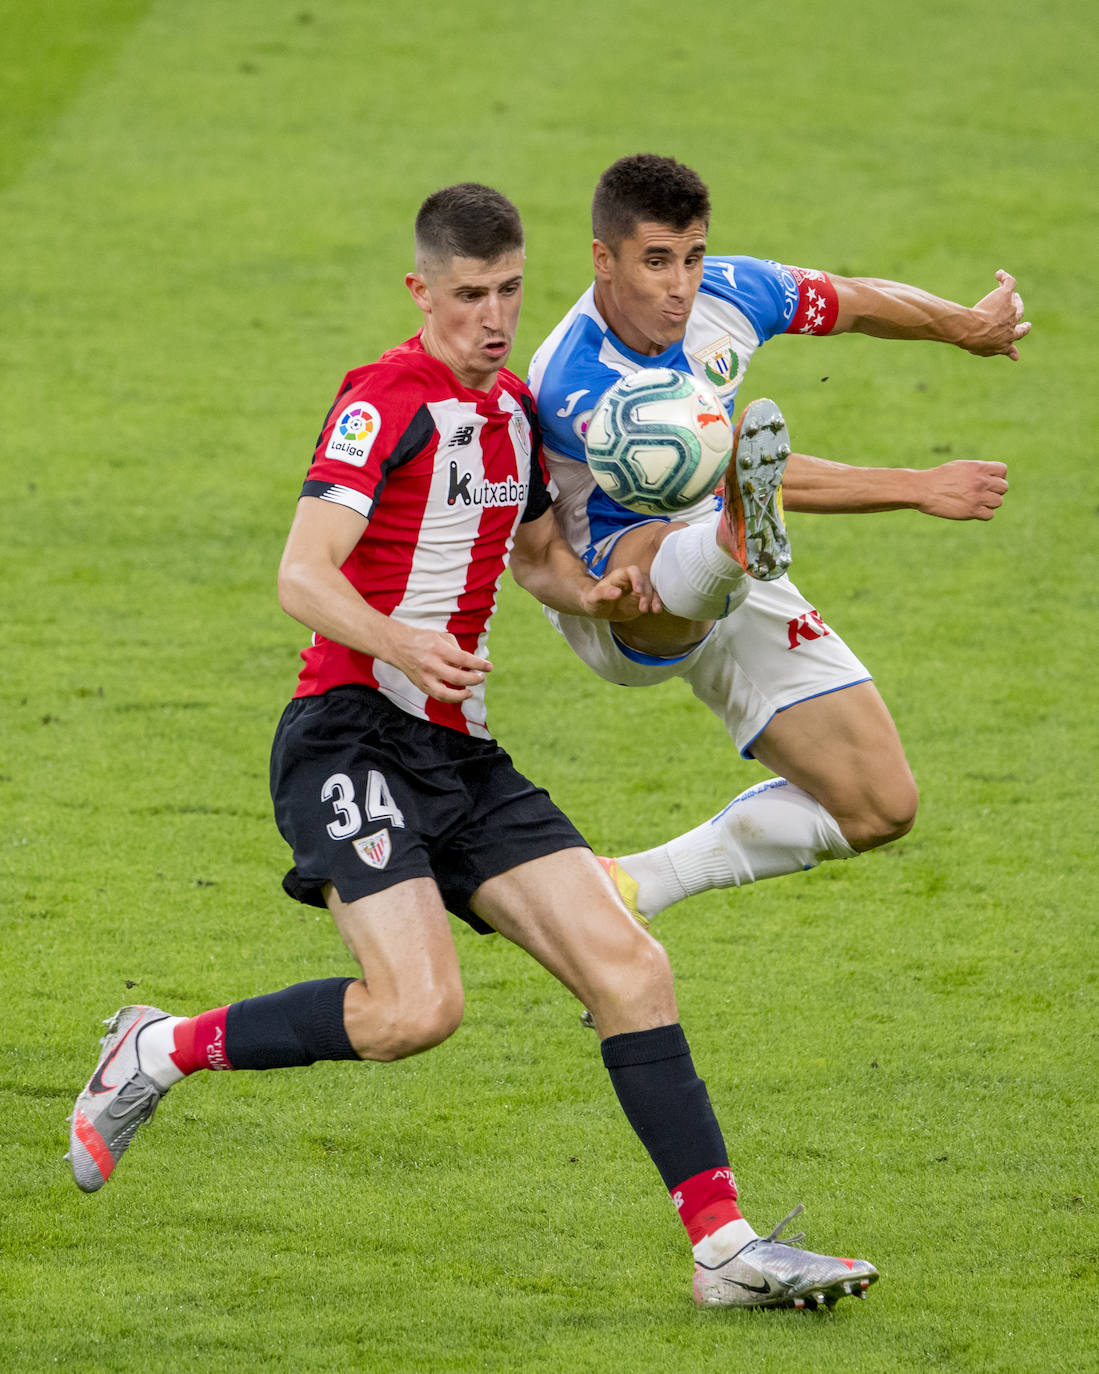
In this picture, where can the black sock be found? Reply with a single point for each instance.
(291, 1028)
(665, 1101)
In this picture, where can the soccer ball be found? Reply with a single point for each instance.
(658, 441)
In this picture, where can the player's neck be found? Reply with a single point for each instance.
(469, 376)
(621, 328)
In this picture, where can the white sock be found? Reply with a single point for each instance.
(694, 577)
(724, 1243)
(771, 829)
(154, 1047)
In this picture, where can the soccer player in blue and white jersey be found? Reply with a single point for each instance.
(756, 652)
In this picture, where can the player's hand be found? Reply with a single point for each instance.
(966, 489)
(436, 663)
(998, 324)
(623, 594)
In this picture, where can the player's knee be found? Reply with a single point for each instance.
(640, 980)
(414, 1024)
(887, 815)
(650, 968)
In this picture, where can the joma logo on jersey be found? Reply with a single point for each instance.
(509, 493)
(806, 627)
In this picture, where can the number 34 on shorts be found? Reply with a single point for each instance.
(338, 792)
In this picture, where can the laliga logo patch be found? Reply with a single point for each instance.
(354, 433)
(374, 850)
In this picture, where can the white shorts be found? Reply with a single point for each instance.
(772, 652)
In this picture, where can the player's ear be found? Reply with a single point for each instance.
(601, 257)
(420, 291)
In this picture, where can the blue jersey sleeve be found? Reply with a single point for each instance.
(766, 291)
(574, 380)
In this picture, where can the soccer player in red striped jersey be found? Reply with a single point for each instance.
(427, 480)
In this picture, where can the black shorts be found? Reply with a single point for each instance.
(368, 796)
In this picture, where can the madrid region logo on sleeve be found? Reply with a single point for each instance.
(354, 433)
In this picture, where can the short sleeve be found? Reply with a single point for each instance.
(777, 298)
(540, 494)
(375, 424)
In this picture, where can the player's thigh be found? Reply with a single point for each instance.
(397, 934)
(564, 911)
(843, 749)
(639, 544)
(772, 653)
(660, 632)
(402, 940)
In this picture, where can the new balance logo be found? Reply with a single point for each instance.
(462, 435)
(806, 627)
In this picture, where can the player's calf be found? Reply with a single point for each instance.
(385, 1030)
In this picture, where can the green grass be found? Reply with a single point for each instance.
(204, 212)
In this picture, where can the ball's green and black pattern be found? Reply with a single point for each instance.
(654, 464)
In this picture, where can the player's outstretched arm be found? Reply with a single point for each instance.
(893, 310)
(543, 564)
(313, 589)
(965, 489)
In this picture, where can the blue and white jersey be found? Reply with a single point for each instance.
(742, 302)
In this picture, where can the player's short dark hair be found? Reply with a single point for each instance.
(467, 221)
(642, 188)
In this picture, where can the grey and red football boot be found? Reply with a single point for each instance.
(768, 1272)
(118, 1099)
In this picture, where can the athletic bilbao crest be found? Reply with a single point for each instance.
(374, 850)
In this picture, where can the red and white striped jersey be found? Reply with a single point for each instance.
(444, 476)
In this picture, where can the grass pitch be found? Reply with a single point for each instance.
(205, 215)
